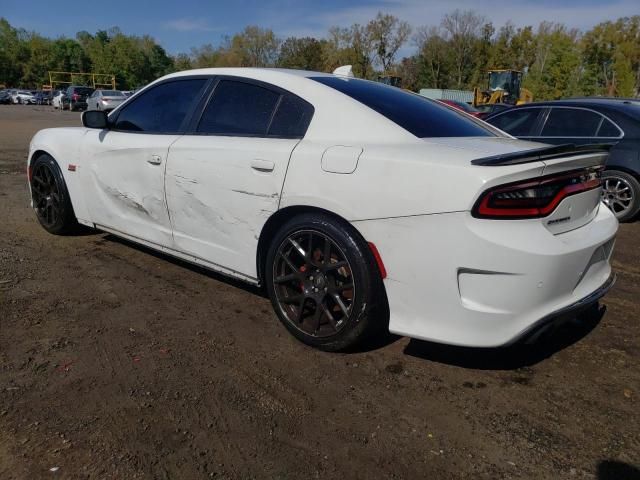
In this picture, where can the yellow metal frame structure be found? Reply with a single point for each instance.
(94, 80)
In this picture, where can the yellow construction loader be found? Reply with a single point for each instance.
(504, 86)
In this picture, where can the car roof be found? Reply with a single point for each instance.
(252, 72)
(606, 102)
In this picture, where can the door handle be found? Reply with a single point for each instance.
(262, 165)
(155, 160)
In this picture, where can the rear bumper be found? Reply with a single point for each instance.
(459, 280)
(565, 313)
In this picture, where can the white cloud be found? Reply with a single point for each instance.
(189, 25)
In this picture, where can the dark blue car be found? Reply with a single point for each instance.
(588, 120)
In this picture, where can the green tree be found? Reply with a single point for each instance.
(181, 62)
(462, 30)
(303, 53)
(433, 59)
(13, 53)
(386, 34)
(255, 47)
(557, 66)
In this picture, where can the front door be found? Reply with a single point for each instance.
(123, 169)
(124, 178)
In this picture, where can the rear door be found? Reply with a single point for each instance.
(123, 168)
(224, 179)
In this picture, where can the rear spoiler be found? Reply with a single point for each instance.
(539, 154)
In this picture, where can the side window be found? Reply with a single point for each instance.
(517, 122)
(571, 122)
(608, 129)
(292, 117)
(238, 108)
(162, 109)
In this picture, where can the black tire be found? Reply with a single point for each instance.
(323, 311)
(50, 196)
(621, 193)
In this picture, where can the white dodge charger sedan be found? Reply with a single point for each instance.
(357, 205)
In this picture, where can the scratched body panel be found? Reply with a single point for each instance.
(125, 192)
(221, 191)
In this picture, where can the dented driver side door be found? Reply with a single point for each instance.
(123, 167)
(124, 183)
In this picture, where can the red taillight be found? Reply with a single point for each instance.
(75, 96)
(534, 199)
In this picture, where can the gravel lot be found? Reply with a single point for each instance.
(116, 362)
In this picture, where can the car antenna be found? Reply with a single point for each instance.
(344, 71)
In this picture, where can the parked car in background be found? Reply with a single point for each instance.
(465, 107)
(57, 99)
(105, 100)
(5, 97)
(316, 185)
(490, 109)
(76, 97)
(127, 93)
(43, 97)
(24, 97)
(588, 121)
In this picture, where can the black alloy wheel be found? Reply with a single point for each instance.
(323, 282)
(314, 283)
(50, 196)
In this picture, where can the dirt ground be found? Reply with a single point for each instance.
(119, 363)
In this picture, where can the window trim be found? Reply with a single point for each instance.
(192, 128)
(542, 120)
(602, 118)
(185, 122)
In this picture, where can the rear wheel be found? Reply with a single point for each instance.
(621, 193)
(323, 283)
(50, 197)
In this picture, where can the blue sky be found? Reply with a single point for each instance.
(180, 25)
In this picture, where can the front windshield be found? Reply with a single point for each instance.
(499, 81)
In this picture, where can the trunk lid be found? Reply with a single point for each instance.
(587, 161)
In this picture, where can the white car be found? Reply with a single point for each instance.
(358, 206)
(24, 97)
(105, 100)
(57, 99)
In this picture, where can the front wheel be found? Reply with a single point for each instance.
(323, 283)
(50, 197)
(621, 193)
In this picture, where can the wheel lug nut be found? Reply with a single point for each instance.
(311, 277)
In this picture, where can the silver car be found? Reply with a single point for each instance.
(105, 100)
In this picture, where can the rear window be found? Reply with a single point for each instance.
(292, 117)
(83, 91)
(238, 108)
(608, 129)
(518, 122)
(112, 93)
(570, 122)
(418, 115)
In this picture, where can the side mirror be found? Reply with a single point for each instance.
(95, 119)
